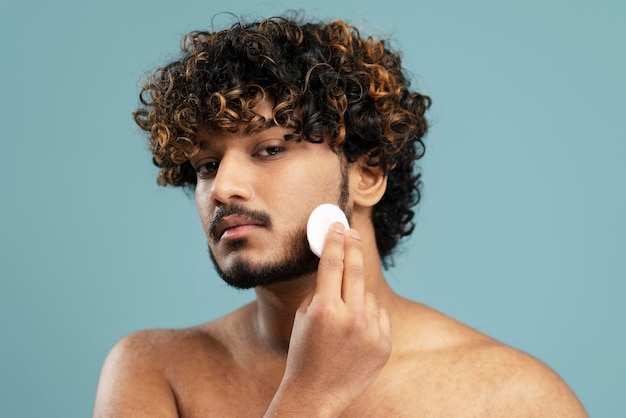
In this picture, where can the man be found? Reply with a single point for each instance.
(265, 121)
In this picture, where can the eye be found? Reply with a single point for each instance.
(207, 170)
(270, 151)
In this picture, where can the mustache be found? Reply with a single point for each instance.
(223, 211)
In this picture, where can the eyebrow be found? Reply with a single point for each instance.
(269, 124)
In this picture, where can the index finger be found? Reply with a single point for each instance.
(330, 267)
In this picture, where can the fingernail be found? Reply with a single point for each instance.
(338, 227)
(354, 234)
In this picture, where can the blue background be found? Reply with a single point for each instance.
(520, 232)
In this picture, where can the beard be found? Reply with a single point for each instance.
(298, 259)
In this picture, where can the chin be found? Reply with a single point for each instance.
(240, 272)
(242, 275)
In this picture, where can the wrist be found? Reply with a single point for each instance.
(293, 400)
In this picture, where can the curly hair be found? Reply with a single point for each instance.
(327, 83)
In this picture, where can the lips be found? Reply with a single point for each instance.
(232, 223)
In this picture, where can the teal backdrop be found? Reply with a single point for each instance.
(520, 232)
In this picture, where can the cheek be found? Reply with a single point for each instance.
(315, 187)
(309, 186)
(202, 205)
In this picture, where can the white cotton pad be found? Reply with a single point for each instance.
(319, 221)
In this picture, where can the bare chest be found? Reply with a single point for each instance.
(236, 392)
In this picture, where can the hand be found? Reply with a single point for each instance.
(341, 338)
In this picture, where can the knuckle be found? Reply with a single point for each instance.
(360, 322)
(331, 262)
(323, 308)
(371, 300)
(354, 270)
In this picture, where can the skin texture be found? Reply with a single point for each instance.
(335, 342)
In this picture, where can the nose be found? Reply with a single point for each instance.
(232, 182)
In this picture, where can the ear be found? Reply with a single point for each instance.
(368, 184)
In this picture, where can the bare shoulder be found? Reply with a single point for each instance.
(512, 383)
(486, 376)
(144, 370)
(133, 378)
(526, 386)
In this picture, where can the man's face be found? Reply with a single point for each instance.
(254, 195)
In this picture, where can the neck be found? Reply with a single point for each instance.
(276, 309)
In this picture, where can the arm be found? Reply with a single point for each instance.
(131, 385)
(340, 340)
